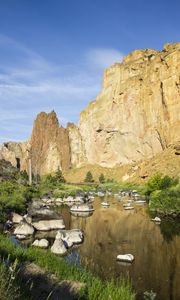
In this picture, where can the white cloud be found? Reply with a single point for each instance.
(103, 58)
(33, 84)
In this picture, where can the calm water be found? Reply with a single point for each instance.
(112, 231)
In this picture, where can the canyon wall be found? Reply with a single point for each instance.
(49, 145)
(137, 114)
(135, 117)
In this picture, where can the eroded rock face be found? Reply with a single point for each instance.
(137, 113)
(135, 117)
(76, 145)
(16, 154)
(49, 145)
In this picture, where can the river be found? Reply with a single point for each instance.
(112, 231)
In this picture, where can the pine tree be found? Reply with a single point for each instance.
(89, 177)
(102, 178)
(59, 176)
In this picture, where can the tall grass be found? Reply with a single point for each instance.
(10, 288)
(95, 288)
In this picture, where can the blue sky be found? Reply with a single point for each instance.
(53, 52)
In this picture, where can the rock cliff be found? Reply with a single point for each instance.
(16, 154)
(135, 117)
(137, 114)
(49, 145)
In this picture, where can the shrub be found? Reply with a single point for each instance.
(59, 176)
(159, 182)
(12, 197)
(89, 177)
(102, 178)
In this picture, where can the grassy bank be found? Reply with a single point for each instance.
(94, 289)
(163, 193)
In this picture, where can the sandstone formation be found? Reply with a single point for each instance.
(16, 153)
(49, 145)
(135, 117)
(137, 114)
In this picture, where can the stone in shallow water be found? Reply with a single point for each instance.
(24, 229)
(58, 247)
(43, 243)
(74, 236)
(46, 225)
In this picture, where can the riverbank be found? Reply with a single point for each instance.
(94, 287)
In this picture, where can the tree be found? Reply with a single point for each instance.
(89, 177)
(102, 178)
(59, 176)
(159, 182)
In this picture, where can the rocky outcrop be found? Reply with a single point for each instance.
(49, 145)
(24, 229)
(137, 113)
(16, 153)
(76, 145)
(135, 117)
(46, 225)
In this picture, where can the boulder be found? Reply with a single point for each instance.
(126, 258)
(27, 218)
(58, 247)
(68, 199)
(74, 236)
(43, 212)
(46, 225)
(43, 243)
(21, 237)
(16, 218)
(24, 229)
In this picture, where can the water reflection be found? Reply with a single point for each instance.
(81, 214)
(113, 231)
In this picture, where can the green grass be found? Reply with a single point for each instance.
(94, 289)
(10, 286)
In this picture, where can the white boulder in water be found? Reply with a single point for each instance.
(82, 207)
(20, 237)
(24, 229)
(156, 220)
(46, 225)
(68, 199)
(43, 243)
(74, 236)
(100, 194)
(58, 247)
(105, 204)
(125, 258)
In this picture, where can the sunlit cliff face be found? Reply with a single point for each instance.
(135, 116)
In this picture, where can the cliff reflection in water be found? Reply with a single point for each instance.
(113, 231)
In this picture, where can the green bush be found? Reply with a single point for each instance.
(163, 193)
(89, 177)
(12, 198)
(59, 176)
(166, 200)
(159, 182)
(102, 178)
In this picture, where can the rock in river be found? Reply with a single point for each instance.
(24, 229)
(46, 225)
(74, 236)
(58, 247)
(43, 243)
